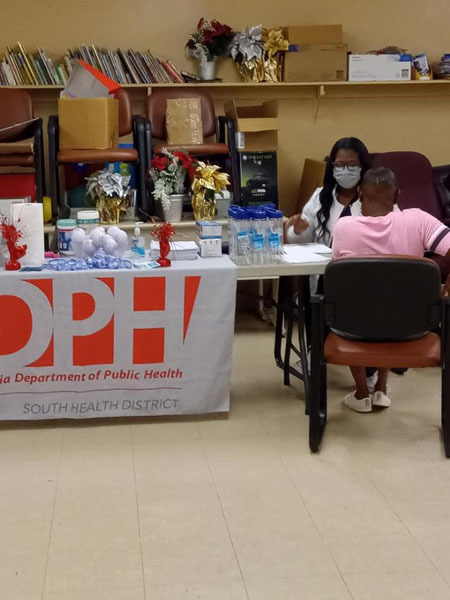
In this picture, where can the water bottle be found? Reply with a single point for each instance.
(258, 219)
(232, 233)
(275, 237)
(243, 255)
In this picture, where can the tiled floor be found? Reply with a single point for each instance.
(232, 508)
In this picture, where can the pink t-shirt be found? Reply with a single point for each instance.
(411, 232)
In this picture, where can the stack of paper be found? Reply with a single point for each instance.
(302, 253)
(178, 250)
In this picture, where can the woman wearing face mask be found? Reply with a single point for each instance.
(348, 161)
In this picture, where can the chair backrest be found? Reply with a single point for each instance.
(384, 299)
(415, 179)
(15, 107)
(156, 110)
(125, 117)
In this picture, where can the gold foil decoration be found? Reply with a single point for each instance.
(274, 41)
(269, 67)
(111, 209)
(207, 182)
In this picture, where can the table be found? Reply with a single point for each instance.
(293, 277)
(126, 343)
(117, 343)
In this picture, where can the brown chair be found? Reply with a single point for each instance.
(378, 311)
(218, 133)
(16, 109)
(128, 123)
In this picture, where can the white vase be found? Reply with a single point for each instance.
(174, 213)
(208, 69)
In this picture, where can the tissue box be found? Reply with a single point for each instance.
(208, 230)
(210, 247)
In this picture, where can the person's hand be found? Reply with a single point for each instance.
(298, 222)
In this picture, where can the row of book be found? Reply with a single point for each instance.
(21, 67)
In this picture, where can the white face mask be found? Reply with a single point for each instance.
(346, 177)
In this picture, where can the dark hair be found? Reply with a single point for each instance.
(329, 182)
(379, 176)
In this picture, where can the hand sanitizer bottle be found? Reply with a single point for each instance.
(138, 243)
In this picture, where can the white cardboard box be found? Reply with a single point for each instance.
(378, 67)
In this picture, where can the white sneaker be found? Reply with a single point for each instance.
(364, 405)
(381, 399)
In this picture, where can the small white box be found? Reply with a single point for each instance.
(208, 229)
(379, 67)
(210, 247)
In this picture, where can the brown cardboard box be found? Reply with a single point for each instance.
(184, 121)
(312, 178)
(316, 62)
(88, 123)
(314, 34)
(256, 125)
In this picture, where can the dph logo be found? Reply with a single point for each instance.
(80, 321)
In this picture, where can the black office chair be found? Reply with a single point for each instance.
(378, 311)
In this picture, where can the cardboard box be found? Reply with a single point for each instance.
(379, 67)
(259, 178)
(312, 178)
(88, 123)
(314, 34)
(256, 125)
(184, 121)
(316, 62)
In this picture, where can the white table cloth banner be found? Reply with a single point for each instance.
(117, 343)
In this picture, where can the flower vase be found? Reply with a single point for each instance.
(204, 210)
(208, 69)
(174, 213)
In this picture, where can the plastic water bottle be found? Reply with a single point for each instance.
(275, 236)
(258, 218)
(243, 253)
(232, 232)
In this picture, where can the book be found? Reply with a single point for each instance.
(133, 75)
(143, 77)
(28, 65)
(43, 56)
(14, 67)
(190, 76)
(176, 71)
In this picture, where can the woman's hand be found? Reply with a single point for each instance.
(300, 224)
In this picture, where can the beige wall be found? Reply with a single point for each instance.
(390, 120)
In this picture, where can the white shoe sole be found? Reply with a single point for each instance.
(363, 406)
(380, 399)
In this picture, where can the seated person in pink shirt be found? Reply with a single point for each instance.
(381, 230)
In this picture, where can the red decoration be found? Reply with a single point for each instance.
(164, 232)
(12, 236)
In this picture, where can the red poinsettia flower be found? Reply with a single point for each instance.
(159, 162)
(188, 162)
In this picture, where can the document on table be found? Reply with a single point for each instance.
(302, 253)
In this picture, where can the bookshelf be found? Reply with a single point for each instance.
(281, 90)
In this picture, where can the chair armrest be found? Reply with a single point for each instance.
(53, 130)
(228, 125)
(148, 142)
(445, 327)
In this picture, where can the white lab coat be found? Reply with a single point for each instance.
(314, 231)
